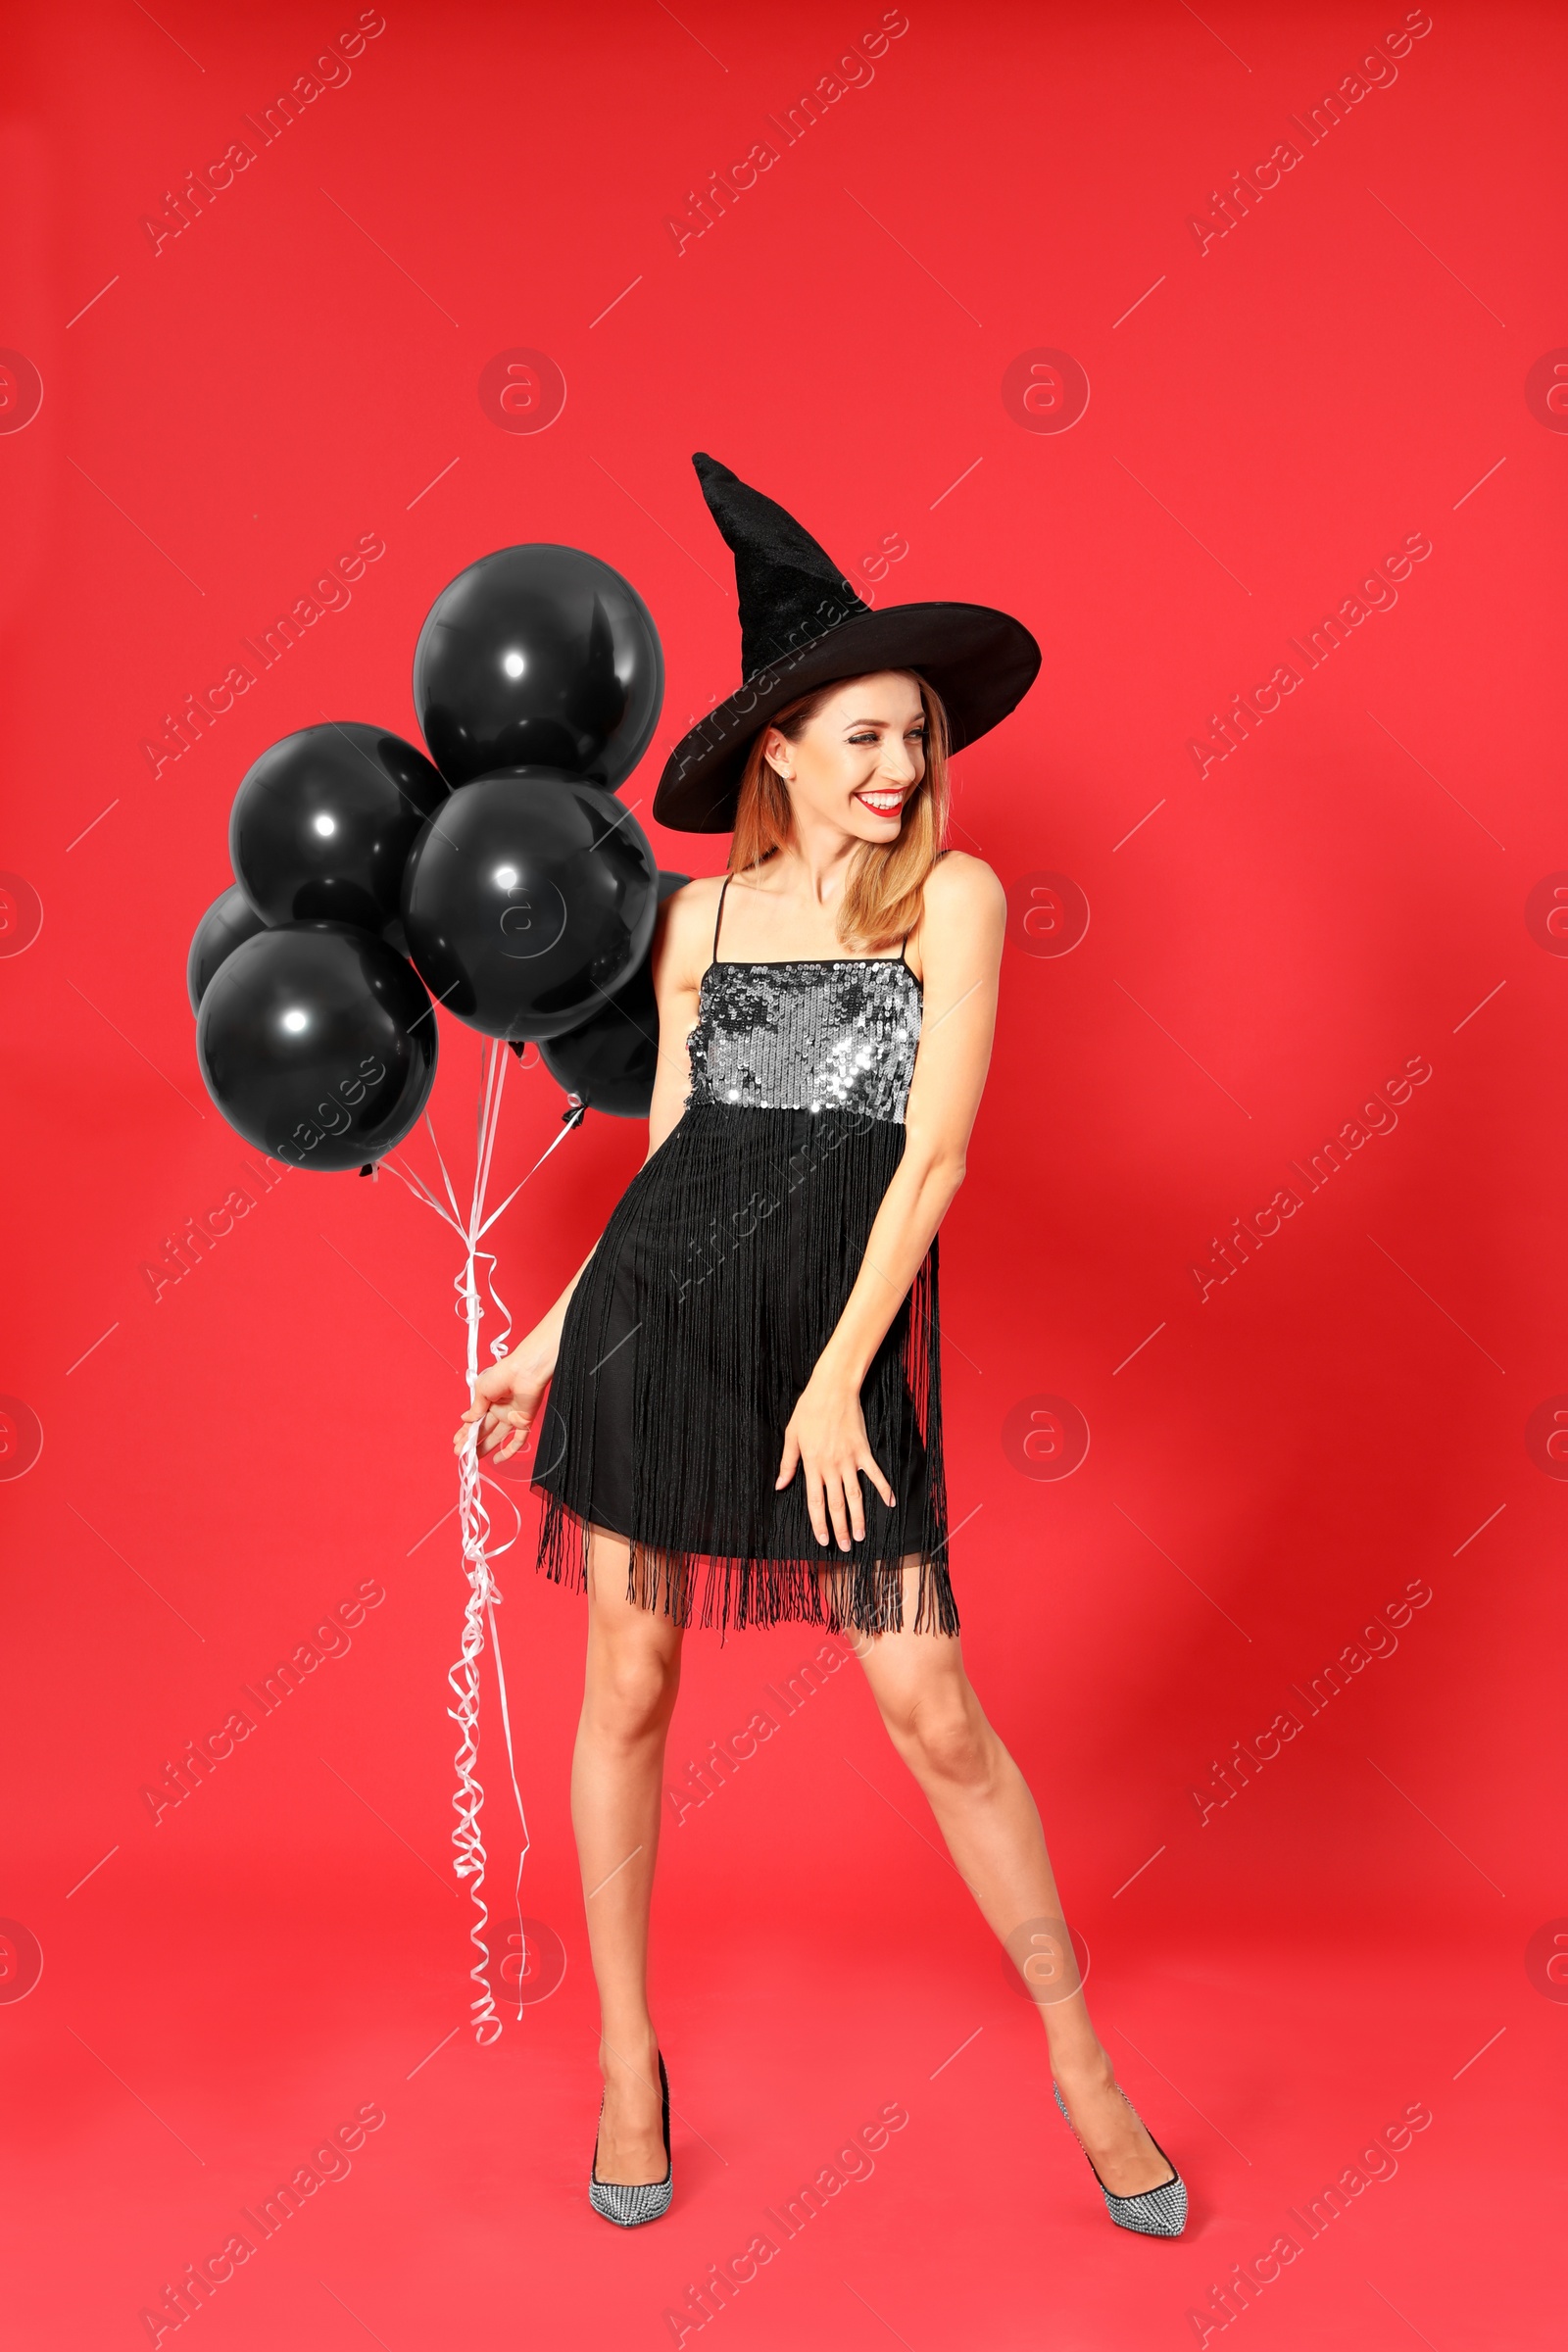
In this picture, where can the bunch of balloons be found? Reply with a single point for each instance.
(500, 877)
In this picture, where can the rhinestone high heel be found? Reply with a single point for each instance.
(1157, 2212)
(628, 2203)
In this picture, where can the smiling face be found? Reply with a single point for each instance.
(860, 758)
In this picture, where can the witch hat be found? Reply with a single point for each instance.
(801, 626)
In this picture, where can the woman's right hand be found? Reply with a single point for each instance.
(505, 1398)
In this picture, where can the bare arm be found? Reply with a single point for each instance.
(960, 944)
(506, 1398)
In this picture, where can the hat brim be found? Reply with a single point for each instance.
(982, 662)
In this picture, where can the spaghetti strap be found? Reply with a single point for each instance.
(719, 917)
(903, 944)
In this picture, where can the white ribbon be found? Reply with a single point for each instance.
(473, 1520)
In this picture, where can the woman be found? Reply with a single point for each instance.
(745, 1414)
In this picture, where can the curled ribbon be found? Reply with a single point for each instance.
(474, 1524)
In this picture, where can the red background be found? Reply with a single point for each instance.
(1268, 943)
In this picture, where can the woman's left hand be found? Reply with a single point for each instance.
(826, 1437)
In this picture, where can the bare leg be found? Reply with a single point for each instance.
(984, 1810)
(618, 1770)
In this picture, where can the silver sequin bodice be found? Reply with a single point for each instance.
(838, 1034)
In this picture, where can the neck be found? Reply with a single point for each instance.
(819, 859)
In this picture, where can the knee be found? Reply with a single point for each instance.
(943, 1740)
(633, 1692)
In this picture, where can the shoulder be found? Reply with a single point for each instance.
(686, 929)
(685, 904)
(962, 891)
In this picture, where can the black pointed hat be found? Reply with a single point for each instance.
(801, 626)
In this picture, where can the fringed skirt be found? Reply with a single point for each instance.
(694, 1327)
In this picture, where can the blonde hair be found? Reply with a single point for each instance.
(884, 894)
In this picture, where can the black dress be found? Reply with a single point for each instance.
(717, 1282)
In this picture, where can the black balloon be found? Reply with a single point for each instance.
(324, 822)
(227, 923)
(610, 1062)
(530, 897)
(318, 1045)
(538, 655)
